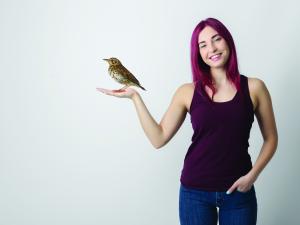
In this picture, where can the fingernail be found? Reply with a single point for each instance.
(228, 192)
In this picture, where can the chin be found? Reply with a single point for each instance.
(217, 65)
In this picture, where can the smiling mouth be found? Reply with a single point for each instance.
(215, 56)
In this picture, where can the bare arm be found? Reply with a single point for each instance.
(266, 121)
(159, 134)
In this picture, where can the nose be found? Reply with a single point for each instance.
(212, 48)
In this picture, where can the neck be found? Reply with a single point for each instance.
(218, 76)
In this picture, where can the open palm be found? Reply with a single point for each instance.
(124, 93)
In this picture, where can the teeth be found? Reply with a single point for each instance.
(215, 56)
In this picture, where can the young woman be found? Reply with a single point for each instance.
(217, 171)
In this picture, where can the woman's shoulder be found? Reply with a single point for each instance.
(186, 90)
(256, 85)
(254, 80)
(185, 93)
(187, 87)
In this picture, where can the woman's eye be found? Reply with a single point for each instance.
(218, 39)
(202, 46)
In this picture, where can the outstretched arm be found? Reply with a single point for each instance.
(159, 134)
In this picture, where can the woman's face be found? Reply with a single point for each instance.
(213, 48)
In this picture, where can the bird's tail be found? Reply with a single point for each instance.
(141, 87)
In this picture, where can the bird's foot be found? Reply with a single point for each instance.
(121, 89)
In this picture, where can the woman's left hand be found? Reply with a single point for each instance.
(243, 184)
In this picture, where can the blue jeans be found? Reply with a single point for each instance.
(198, 207)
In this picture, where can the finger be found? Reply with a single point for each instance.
(105, 91)
(116, 94)
(101, 89)
(118, 91)
(245, 189)
(231, 189)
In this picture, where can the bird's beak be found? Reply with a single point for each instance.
(105, 59)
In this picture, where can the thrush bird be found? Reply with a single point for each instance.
(119, 73)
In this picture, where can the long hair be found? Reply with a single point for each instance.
(200, 70)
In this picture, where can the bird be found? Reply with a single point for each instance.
(120, 74)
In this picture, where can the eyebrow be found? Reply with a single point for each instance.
(211, 38)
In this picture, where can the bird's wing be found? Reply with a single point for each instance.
(127, 75)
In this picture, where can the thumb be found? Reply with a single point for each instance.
(231, 189)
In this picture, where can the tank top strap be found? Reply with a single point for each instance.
(245, 91)
(197, 96)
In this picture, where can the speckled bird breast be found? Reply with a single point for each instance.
(113, 72)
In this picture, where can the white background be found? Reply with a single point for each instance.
(70, 155)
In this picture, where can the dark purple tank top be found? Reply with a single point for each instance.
(218, 154)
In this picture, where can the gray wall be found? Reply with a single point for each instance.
(72, 155)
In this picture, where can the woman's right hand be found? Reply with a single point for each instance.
(124, 93)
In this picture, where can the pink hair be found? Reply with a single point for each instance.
(200, 70)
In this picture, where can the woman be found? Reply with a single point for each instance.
(217, 171)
